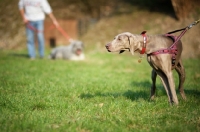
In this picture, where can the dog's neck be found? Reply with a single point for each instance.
(150, 44)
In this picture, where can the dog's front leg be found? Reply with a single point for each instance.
(167, 81)
(171, 87)
(153, 87)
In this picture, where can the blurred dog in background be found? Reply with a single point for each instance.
(74, 51)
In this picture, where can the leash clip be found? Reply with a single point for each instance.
(193, 24)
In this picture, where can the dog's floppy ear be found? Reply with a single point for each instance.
(131, 42)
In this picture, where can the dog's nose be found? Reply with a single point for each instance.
(107, 46)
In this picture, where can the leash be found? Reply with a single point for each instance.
(59, 28)
(28, 25)
(188, 27)
(64, 33)
(183, 32)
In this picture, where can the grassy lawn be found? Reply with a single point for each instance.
(106, 92)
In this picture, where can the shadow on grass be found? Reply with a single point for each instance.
(192, 92)
(142, 91)
(147, 85)
(19, 55)
(129, 94)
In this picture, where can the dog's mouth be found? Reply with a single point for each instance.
(78, 51)
(121, 51)
(108, 50)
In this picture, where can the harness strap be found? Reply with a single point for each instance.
(165, 51)
(171, 50)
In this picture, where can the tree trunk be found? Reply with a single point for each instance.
(182, 8)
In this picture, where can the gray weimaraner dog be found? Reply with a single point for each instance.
(161, 63)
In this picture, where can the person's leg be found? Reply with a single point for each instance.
(40, 36)
(30, 41)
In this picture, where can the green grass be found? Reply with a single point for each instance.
(106, 92)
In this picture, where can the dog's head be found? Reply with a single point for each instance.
(123, 42)
(77, 47)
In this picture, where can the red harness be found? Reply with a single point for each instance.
(173, 48)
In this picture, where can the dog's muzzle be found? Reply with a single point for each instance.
(78, 51)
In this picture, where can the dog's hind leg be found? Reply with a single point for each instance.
(153, 87)
(181, 72)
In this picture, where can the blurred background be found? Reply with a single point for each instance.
(96, 22)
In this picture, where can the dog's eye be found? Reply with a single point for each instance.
(119, 39)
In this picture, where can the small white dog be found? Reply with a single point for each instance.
(74, 51)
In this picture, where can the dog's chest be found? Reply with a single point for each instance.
(76, 57)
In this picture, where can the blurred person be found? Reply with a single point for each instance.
(33, 15)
